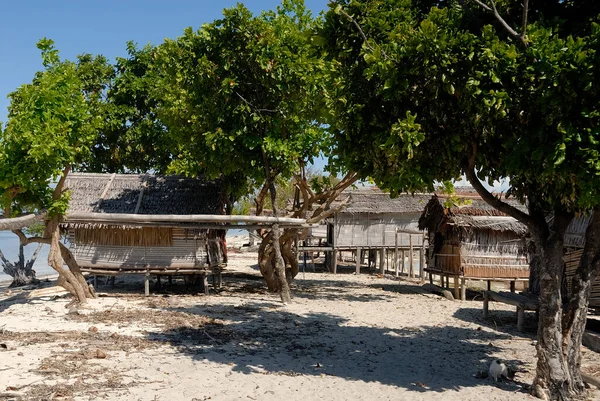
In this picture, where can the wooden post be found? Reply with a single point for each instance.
(486, 301)
(512, 286)
(147, 284)
(442, 281)
(456, 288)
(204, 284)
(448, 281)
(463, 289)
(396, 254)
(422, 258)
(520, 317)
(403, 261)
(358, 260)
(382, 261)
(410, 252)
(489, 285)
(334, 261)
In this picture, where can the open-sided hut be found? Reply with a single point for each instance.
(474, 241)
(574, 243)
(373, 221)
(158, 247)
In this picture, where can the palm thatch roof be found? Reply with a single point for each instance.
(143, 194)
(375, 201)
(472, 214)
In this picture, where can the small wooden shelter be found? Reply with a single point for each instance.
(574, 243)
(159, 246)
(474, 241)
(373, 221)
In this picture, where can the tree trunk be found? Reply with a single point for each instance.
(561, 325)
(21, 271)
(71, 279)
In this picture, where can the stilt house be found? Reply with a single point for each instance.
(372, 219)
(474, 240)
(164, 247)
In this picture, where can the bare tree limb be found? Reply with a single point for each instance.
(492, 9)
(489, 198)
(524, 22)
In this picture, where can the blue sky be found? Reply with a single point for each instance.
(97, 27)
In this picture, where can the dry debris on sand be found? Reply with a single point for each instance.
(345, 337)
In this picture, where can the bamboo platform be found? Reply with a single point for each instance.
(460, 287)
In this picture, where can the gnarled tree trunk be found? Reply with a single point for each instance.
(22, 272)
(314, 208)
(561, 325)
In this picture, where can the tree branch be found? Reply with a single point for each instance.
(524, 22)
(492, 9)
(362, 33)
(497, 203)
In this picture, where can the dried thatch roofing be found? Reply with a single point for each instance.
(476, 214)
(142, 194)
(377, 202)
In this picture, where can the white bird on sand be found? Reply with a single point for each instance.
(498, 369)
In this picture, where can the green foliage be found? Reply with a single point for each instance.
(240, 96)
(50, 126)
(431, 92)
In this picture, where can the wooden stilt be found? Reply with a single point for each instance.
(463, 289)
(456, 288)
(382, 261)
(204, 284)
(489, 285)
(334, 261)
(396, 253)
(430, 278)
(147, 284)
(486, 302)
(403, 261)
(520, 318)
(410, 255)
(513, 286)
(358, 260)
(422, 262)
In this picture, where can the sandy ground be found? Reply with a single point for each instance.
(345, 337)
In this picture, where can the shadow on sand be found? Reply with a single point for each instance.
(267, 339)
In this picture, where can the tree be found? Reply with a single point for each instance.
(50, 128)
(489, 91)
(239, 98)
(22, 271)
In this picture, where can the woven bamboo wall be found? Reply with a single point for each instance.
(184, 249)
(375, 230)
(483, 254)
(124, 236)
(571, 263)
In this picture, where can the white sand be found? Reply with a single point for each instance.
(345, 337)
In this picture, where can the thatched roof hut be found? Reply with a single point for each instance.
(156, 248)
(474, 240)
(371, 218)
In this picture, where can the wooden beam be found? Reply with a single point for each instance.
(180, 218)
(104, 193)
(17, 223)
